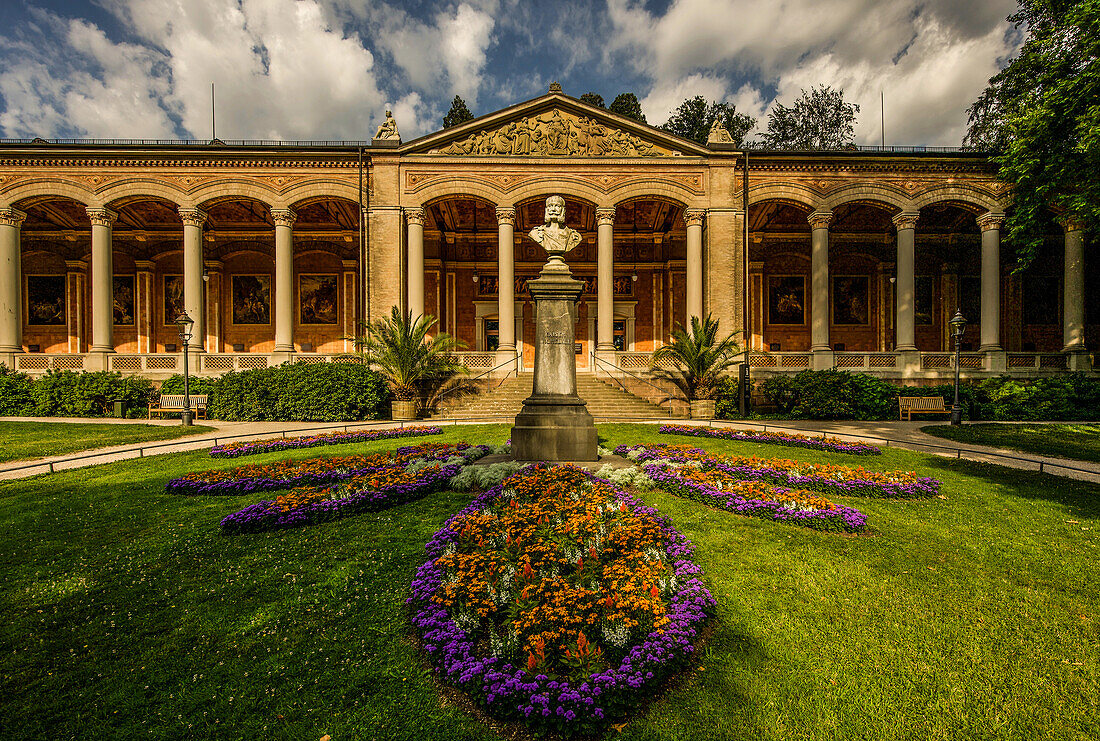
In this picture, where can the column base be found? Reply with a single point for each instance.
(278, 357)
(1079, 358)
(823, 358)
(607, 356)
(7, 357)
(96, 360)
(905, 348)
(505, 355)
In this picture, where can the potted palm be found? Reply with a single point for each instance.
(413, 364)
(698, 359)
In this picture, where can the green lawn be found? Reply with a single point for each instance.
(28, 440)
(128, 615)
(1079, 441)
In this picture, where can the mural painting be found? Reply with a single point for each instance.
(850, 300)
(925, 300)
(46, 300)
(317, 299)
(252, 299)
(786, 299)
(173, 298)
(123, 299)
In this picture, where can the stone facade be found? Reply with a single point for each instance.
(849, 259)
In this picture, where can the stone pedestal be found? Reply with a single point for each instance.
(554, 424)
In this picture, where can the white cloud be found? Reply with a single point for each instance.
(931, 57)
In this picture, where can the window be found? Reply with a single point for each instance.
(492, 334)
(618, 331)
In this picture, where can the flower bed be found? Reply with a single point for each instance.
(826, 478)
(790, 439)
(255, 447)
(558, 600)
(312, 471)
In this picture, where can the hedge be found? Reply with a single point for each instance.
(65, 393)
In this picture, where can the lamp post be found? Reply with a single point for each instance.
(958, 326)
(184, 323)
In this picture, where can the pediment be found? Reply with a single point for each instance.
(554, 126)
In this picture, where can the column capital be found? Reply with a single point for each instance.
(76, 266)
(145, 266)
(284, 216)
(906, 220)
(990, 221)
(1071, 223)
(101, 216)
(605, 216)
(213, 266)
(506, 215)
(192, 216)
(695, 216)
(12, 217)
(350, 265)
(414, 215)
(820, 219)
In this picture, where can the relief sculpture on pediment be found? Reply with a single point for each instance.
(554, 134)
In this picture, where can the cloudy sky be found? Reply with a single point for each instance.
(328, 69)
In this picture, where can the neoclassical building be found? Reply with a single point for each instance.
(279, 250)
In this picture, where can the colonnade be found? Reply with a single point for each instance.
(102, 222)
(605, 269)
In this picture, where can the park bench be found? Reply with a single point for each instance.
(173, 404)
(910, 405)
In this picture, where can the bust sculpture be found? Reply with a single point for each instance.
(554, 236)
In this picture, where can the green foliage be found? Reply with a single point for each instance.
(593, 99)
(1041, 118)
(833, 394)
(71, 394)
(313, 392)
(415, 366)
(699, 356)
(693, 119)
(725, 397)
(197, 385)
(819, 119)
(15, 393)
(458, 114)
(626, 104)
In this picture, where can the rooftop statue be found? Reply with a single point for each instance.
(388, 129)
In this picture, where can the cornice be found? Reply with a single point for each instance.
(169, 163)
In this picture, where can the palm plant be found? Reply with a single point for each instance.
(699, 358)
(413, 364)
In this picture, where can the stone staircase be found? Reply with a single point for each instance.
(605, 399)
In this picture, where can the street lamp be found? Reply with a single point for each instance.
(958, 326)
(184, 323)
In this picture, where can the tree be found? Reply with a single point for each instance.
(593, 99)
(819, 119)
(1040, 117)
(626, 104)
(699, 358)
(693, 119)
(414, 366)
(459, 113)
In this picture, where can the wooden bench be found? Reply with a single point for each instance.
(910, 405)
(173, 404)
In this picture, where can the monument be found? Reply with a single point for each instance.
(554, 424)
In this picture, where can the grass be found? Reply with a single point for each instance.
(128, 615)
(1077, 441)
(29, 440)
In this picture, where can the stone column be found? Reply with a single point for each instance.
(506, 286)
(349, 315)
(213, 324)
(284, 279)
(605, 280)
(144, 316)
(75, 281)
(11, 286)
(819, 289)
(414, 218)
(694, 220)
(1073, 311)
(103, 301)
(906, 337)
(193, 220)
(990, 224)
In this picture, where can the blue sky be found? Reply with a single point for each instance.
(328, 69)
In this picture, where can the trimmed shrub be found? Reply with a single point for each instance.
(197, 385)
(725, 399)
(67, 393)
(321, 392)
(15, 393)
(833, 394)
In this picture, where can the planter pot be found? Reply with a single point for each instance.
(702, 409)
(403, 410)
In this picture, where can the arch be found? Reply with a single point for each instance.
(792, 193)
(24, 192)
(892, 198)
(316, 190)
(546, 194)
(660, 189)
(230, 190)
(458, 196)
(138, 188)
(973, 198)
